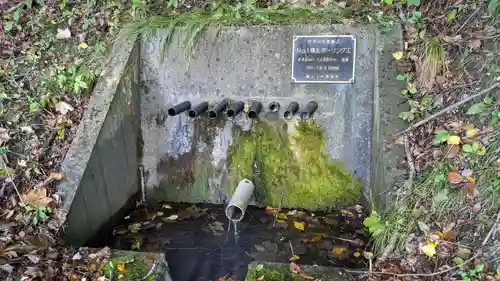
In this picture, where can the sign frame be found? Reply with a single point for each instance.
(350, 81)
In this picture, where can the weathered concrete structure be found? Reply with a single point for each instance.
(338, 157)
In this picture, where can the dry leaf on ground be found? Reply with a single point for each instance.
(37, 196)
(4, 135)
(63, 33)
(306, 276)
(454, 177)
(470, 189)
(294, 267)
(63, 107)
(299, 225)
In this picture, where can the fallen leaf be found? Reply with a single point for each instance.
(429, 250)
(63, 33)
(477, 207)
(299, 225)
(259, 248)
(7, 268)
(454, 177)
(475, 44)
(347, 212)
(83, 45)
(63, 107)
(316, 239)
(397, 55)
(306, 276)
(37, 196)
(4, 135)
(450, 39)
(282, 216)
(470, 179)
(338, 251)
(77, 256)
(270, 210)
(467, 172)
(294, 267)
(451, 15)
(450, 151)
(120, 267)
(470, 189)
(172, 217)
(453, 140)
(470, 131)
(260, 278)
(135, 227)
(259, 267)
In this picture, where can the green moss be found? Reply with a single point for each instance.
(272, 274)
(134, 268)
(292, 161)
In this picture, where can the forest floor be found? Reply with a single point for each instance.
(443, 225)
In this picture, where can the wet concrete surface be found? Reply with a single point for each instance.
(201, 244)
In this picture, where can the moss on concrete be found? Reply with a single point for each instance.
(291, 159)
(272, 274)
(131, 267)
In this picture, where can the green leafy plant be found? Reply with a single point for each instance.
(474, 148)
(38, 213)
(470, 274)
(374, 224)
(493, 7)
(415, 19)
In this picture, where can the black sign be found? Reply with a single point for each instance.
(323, 59)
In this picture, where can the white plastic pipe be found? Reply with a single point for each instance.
(239, 201)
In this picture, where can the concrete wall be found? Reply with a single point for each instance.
(101, 164)
(187, 160)
(387, 171)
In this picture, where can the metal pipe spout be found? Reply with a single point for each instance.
(307, 112)
(179, 108)
(235, 109)
(238, 204)
(199, 109)
(220, 107)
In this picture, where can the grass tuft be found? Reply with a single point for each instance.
(248, 13)
(433, 62)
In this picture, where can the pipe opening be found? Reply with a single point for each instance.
(234, 213)
(274, 106)
(220, 107)
(305, 115)
(292, 108)
(192, 113)
(309, 110)
(235, 109)
(172, 112)
(255, 109)
(253, 114)
(212, 114)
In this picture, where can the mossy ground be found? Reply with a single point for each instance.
(131, 267)
(272, 274)
(292, 162)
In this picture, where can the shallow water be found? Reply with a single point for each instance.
(200, 243)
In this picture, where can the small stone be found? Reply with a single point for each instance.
(467, 173)
(463, 253)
